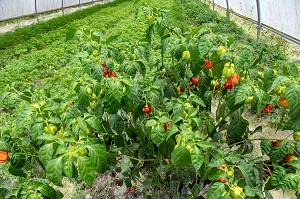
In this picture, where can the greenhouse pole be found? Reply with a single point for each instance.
(258, 19)
(36, 11)
(62, 7)
(227, 11)
(213, 4)
(79, 4)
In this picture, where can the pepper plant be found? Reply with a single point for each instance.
(145, 112)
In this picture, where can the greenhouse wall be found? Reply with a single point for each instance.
(282, 15)
(10, 9)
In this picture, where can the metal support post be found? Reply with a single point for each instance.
(259, 26)
(36, 11)
(62, 7)
(227, 10)
(213, 2)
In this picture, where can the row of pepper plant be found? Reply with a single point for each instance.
(145, 115)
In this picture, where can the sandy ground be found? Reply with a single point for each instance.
(71, 189)
(7, 26)
(268, 132)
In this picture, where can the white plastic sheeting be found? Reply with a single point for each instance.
(282, 15)
(43, 6)
(68, 3)
(17, 8)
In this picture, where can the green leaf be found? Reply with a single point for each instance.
(196, 190)
(164, 119)
(194, 52)
(233, 157)
(204, 144)
(197, 100)
(230, 102)
(47, 137)
(281, 81)
(266, 146)
(119, 57)
(141, 68)
(133, 92)
(112, 38)
(98, 154)
(279, 152)
(158, 135)
(26, 95)
(242, 93)
(216, 174)
(83, 98)
(45, 153)
(130, 69)
(17, 171)
(249, 191)
(171, 131)
(68, 167)
(205, 43)
(24, 117)
(94, 122)
(216, 191)
(263, 98)
(181, 157)
(3, 192)
(217, 160)
(47, 190)
(54, 171)
(86, 169)
(83, 54)
(237, 130)
(116, 123)
(292, 94)
(36, 130)
(115, 92)
(97, 72)
(295, 163)
(3, 95)
(151, 123)
(54, 120)
(167, 147)
(290, 181)
(110, 66)
(250, 174)
(180, 68)
(277, 175)
(197, 157)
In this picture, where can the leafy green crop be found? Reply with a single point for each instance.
(134, 94)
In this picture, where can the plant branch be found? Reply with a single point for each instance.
(140, 160)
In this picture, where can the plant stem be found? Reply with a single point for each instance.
(281, 119)
(32, 155)
(140, 160)
(177, 191)
(256, 139)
